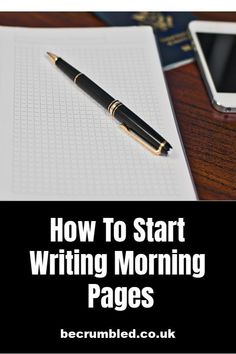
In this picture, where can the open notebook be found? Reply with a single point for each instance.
(56, 143)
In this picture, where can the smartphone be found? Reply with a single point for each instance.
(214, 44)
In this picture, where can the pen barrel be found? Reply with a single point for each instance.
(122, 113)
(93, 90)
(67, 69)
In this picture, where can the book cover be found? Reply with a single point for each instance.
(170, 29)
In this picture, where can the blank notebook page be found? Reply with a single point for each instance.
(57, 143)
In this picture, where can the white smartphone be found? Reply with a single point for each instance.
(214, 44)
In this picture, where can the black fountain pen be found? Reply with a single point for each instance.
(130, 122)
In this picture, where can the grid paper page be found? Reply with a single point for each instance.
(58, 143)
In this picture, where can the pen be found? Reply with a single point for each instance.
(130, 122)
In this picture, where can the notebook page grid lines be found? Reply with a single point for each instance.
(66, 145)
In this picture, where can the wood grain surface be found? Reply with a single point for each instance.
(209, 137)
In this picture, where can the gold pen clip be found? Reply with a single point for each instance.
(136, 137)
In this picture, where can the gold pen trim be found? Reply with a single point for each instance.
(52, 57)
(162, 144)
(109, 106)
(112, 106)
(133, 135)
(76, 77)
(116, 107)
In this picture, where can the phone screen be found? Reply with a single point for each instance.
(220, 54)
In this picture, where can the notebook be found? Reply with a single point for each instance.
(57, 143)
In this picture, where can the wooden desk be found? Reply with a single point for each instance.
(209, 136)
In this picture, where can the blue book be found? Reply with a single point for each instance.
(170, 29)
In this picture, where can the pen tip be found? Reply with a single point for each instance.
(52, 57)
(165, 148)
